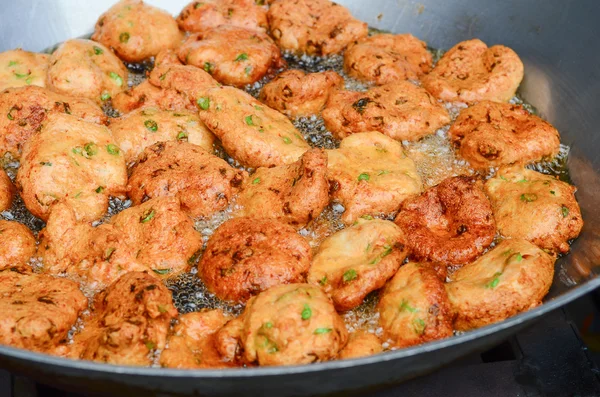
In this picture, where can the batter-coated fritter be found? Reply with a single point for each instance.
(84, 68)
(7, 191)
(129, 322)
(201, 16)
(358, 260)
(148, 95)
(361, 344)
(73, 161)
(296, 193)
(400, 110)
(286, 325)
(251, 132)
(315, 27)
(512, 278)
(144, 127)
(155, 236)
(535, 207)
(37, 311)
(491, 134)
(297, 93)
(17, 242)
(137, 31)
(370, 175)
(471, 72)
(24, 110)
(385, 58)
(186, 80)
(414, 307)
(245, 256)
(20, 68)
(203, 183)
(233, 56)
(451, 223)
(192, 344)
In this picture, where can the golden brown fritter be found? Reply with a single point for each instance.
(19, 68)
(400, 110)
(414, 307)
(251, 132)
(471, 72)
(512, 278)
(192, 344)
(451, 223)
(24, 110)
(137, 31)
(491, 134)
(297, 93)
(17, 242)
(201, 16)
(535, 207)
(385, 58)
(144, 127)
(246, 256)
(148, 95)
(286, 325)
(37, 311)
(129, 322)
(203, 183)
(232, 55)
(315, 27)
(84, 68)
(73, 161)
(296, 193)
(156, 236)
(370, 175)
(361, 344)
(186, 80)
(7, 191)
(358, 260)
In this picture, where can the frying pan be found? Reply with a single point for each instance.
(558, 42)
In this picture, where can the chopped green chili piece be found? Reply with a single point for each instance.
(350, 275)
(242, 57)
(405, 306)
(367, 217)
(259, 108)
(306, 312)
(268, 325)
(99, 189)
(46, 163)
(198, 5)
(256, 181)
(320, 331)
(286, 140)
(248, 120)
(248, 70)
(108, 253)
(383, 172)
(151, 125)
(162, 309)
(528, 197)
(162, 272)
(204, 103)
(147, 216)
(13, 63)
(150, 345)
(116, 78)
(419, 326)
(90, 149)
(494, 282)
(124, 37)
(552, 192)
(565, 211)
(105, 96)
(112, 149)
(98, 50)
(182, 135)
(208, 67)
(364, 177)
(22, 76)
(323, 281)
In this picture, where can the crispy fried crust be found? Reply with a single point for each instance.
(361, 344)
(147, 95)
(17, 242)
(19, 68)
(200, 16)
(7, 191)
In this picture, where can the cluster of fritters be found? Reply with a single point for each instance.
(473, 250)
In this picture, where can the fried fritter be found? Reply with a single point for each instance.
(37, 311)
(137, 31)
(17, 242)
(19, 68)
(414, 307)
(251, 132)
(491, 134)
(73, 161)
(147, 95)
(297, 93)
(25, 109)
(296, 193)
(451, 223)
(286, 325)
(84, 68)
(471, 72)
(358, 260)
(361, 344)
(7, 191)
(201, 16)
(400, 110)
(186, 80)
(512, 278)
(385, 58)
(129, 322)
(144, 127)
(370, 175)
(535, 207)
(246, 256)
(232, 55)
(203, 183)
(315, 27)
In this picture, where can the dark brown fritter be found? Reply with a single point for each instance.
(200, 16)
(7, 191)
(451, 223)
(17, 242)
(37, 311)
(294, 194)
(246, 256)
(129, 321)
(204, 183)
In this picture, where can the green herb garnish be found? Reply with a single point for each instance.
(528, 197)
(350, 275)
(494, 282)
(364, 177)
(151, 125)
(124, 37)
(306, 312)
(242, 57)
(204, 103)
(98, 50)
(147, 216)
(112, 149)
(320, 331)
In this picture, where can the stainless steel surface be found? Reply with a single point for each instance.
(557, 41)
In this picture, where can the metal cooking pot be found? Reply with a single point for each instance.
(557, 41)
